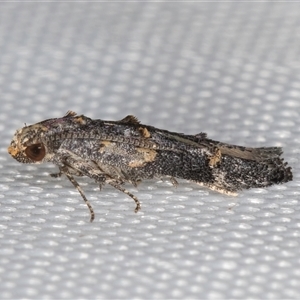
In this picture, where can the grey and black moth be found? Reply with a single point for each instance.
(117, 152)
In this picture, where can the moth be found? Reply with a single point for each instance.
(126, 151)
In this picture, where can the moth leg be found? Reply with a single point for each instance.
(136, 182)
(174, 181)
(101, 185)
(79, 189)
(118, 187)
(56, 175)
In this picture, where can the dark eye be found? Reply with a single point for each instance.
(36, 152)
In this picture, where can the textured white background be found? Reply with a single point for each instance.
(228, 69)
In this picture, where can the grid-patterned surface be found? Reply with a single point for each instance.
(228, 69)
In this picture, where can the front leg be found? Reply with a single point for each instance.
(79, 189)
(65, 170)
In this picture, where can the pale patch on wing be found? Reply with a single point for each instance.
(142, 157)
(216, 158)
(218, 189)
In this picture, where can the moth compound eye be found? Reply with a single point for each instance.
(36, 152)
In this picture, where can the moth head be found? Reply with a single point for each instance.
(28, 145)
